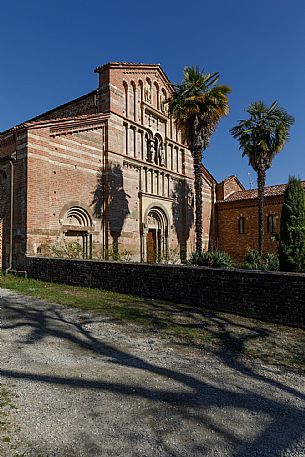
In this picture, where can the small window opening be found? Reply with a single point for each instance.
(241, 225)
(271, 224)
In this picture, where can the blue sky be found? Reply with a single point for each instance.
(49, 51)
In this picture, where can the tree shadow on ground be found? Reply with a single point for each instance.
(194, 401)
(110, 202)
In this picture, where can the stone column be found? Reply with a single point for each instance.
(143, 235)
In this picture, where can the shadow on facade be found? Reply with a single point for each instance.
(183, 214)
(110, 204)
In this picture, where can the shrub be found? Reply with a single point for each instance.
(172, 257)
(272, 262)
(120, 256)
(63, 249)
(292, 234)
(216, 259)
(255, 261)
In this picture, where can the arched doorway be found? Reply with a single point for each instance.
(156, 225)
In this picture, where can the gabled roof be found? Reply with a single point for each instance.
(233, 178)
(270, 191)
(59, 107)
(208, 174)
(125, 64)
(97, 70)
(64, 105)
(144, 66)
(59, 125)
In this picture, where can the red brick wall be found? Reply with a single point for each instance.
(236, 244)
(62, 171)
(84, 105)
(14, 142)
(7, 145)
(227, 187)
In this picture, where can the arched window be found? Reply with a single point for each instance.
(156, 101)
(141, 98)
(271, 224)
(141, 89)
(77, 225)
(149, 146)
(126, 97)
(77, 216)
(241, 225)
(134, 101)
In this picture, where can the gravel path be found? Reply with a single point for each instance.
(85, 386)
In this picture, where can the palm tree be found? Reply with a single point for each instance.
(197, 106)
(261, 137)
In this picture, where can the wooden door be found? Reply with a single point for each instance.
(151, 246)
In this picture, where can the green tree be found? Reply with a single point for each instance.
(261, 137)
(292, 235)
(197, 106)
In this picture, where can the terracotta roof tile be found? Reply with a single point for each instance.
(252, 193)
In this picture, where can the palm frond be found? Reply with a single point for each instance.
(264, 134)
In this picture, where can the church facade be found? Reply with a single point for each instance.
(109, 176)
(108, 170)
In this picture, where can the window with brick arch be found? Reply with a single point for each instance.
(241, 225)
(271, 224)
(126, 104)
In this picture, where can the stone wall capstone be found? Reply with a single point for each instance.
(271, 296)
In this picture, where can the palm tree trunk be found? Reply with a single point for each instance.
(197, 157)
(261, 178)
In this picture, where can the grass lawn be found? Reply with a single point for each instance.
(219, 333)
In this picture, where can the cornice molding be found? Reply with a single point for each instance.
(69, 125)
(154, 111)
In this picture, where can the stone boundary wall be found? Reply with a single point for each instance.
(271, 296)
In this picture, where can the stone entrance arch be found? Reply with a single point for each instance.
(155, 235)
(77, 227)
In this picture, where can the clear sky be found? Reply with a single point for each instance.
(49, 50)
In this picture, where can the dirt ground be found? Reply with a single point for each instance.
(82, 385)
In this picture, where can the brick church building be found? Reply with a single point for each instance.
(108, 170)
(111, 171)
